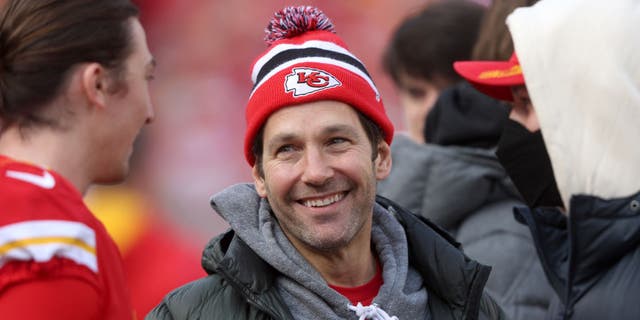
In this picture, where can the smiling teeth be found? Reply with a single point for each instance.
(323, 202)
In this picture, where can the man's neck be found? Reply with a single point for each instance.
(350, 266)
(350, 271)
(365, 293)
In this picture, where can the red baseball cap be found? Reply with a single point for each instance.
(493, 78)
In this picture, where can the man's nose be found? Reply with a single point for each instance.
(316, 167)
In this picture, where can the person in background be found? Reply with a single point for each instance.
(521, 149)
(309, 239)
(584, 100)
(420, 54)
(455, 179)
(73, 96)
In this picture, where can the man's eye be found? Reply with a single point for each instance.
(150, 77)
(416, 93)
(284, 149)
(337, 140)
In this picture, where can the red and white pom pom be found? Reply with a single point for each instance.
(292, 21)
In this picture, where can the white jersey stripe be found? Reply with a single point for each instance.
(41, 240)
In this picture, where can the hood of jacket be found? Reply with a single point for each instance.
(462, 116)
(301, 285)
(581, 66)
(445, 184)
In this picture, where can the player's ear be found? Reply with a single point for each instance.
(94, 83)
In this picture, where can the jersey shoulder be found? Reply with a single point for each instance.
(29, 192)
(43, 220)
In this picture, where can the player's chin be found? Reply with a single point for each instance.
(114, 175)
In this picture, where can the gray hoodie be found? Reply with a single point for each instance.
(304, 290)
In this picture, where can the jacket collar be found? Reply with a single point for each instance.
(228, 256)
(597, 234)
(461, 286)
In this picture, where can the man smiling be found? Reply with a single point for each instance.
(309, 239)
(320, 183)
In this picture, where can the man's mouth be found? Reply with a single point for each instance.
(323, 202)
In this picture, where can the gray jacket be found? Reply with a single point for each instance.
(466, 191)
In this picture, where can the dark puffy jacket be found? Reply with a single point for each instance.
(240, 285)
(592, 258)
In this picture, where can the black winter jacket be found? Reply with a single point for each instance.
(240, 285)
(592, 258)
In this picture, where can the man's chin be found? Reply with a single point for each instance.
(326, 242)
(330, 245)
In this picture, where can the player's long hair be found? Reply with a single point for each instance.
(41, 40)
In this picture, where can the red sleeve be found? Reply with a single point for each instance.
(53, 299)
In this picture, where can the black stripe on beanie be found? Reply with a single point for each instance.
(292, 54)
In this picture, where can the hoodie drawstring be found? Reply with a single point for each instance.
(372, 312)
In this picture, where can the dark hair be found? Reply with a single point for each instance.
(42, 40)
(494, 40)
(426, 44)
(372, 130)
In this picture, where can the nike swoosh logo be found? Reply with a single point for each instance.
(45, 180)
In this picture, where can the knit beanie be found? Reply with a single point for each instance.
(305, 62)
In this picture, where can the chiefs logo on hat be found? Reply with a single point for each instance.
(304, 81)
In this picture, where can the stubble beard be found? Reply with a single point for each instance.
(296, 228)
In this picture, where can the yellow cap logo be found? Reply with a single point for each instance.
(493, 74)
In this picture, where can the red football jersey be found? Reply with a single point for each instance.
(48, 234)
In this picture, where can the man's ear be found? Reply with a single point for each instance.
(94, 84)
(383, 162)
(259, 181)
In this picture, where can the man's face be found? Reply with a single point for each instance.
(417, 97)
(128, 109)
(319, 177)
(522, 110)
